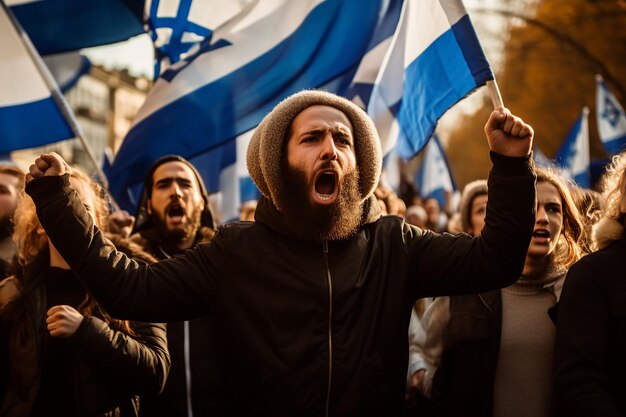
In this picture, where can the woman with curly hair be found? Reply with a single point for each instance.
(63, 355)
(492, 352)
(590, 349)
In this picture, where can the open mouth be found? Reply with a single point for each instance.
(541, 234)
(175, 213)
(325, 185)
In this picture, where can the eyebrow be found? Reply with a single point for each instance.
(317, 132)
(169, 180)
(314, 132)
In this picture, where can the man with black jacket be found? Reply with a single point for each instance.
(312, 301)
(174, 215)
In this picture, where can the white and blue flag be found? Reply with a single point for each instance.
(201, 104)
(435, 60)
(176, 27)
(573, 155)
(611, 119)
(29, 116)
(434, 177)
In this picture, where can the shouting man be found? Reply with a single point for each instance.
(174, 215)
(312, 301)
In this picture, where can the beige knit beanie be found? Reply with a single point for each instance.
(267, 143)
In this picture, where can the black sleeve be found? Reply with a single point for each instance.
(140, 363)
(580, 351)
(454, 265)
(176, 289)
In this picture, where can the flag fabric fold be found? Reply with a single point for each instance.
(611, 119)
(435, 60)
(29, 116)
(573, 155)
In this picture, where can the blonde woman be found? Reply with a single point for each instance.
(62, 353)
(590, 349)
(493, 352)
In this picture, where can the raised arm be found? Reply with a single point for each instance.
(452, 265)
(173, 290)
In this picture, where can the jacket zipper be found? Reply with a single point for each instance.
(330, 329)
(187, 347)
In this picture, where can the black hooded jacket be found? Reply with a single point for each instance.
(193, 379)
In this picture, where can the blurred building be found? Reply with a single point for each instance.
(104, 103)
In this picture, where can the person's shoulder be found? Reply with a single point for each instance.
(388, 220)
(391, 225)
(238, 231)
(602, 266)
(612, 254)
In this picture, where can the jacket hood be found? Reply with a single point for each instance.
(143, 221)
(265, 151)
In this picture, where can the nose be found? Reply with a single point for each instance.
(541, 216)
(176, 191)
(329, 150)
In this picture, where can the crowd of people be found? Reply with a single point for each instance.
(332, 296)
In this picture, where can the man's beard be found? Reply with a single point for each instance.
(177, 235)
(320, 222)
(6, 227)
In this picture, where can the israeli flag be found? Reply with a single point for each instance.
(573, 155)
(201, 104)
(28, 114)
(434, 177)
(435, 60)
(177, 27)
(611, 119)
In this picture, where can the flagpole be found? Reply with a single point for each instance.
(58, 98)
(494, 92)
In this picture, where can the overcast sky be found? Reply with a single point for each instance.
(135, 54)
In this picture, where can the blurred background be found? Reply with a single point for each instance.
(545, 55)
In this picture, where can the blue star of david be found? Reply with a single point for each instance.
(611, 113)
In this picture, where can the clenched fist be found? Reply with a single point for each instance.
(508, 134)
(48, 164)
(63, 321)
